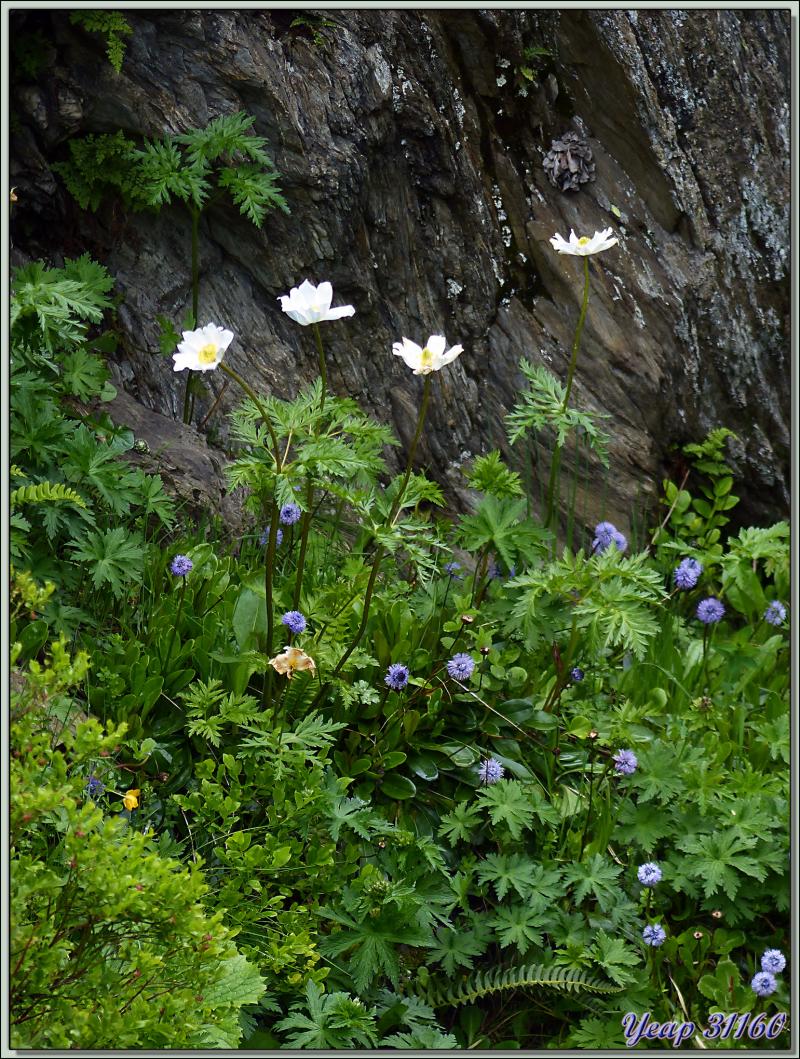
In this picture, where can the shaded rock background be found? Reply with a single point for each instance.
(410, 147)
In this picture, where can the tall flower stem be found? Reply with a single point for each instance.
(301, 559)
(175, 627)
(423, 409)
(555, 465)
(254, 398)
(304, 529)
(187, 397)
(323, 371)
(273, 526)
(268, 572)
(380, 550)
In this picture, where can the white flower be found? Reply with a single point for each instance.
(431, 358)
(308, 304)
(202, 350)
(584, 246)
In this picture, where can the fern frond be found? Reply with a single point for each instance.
(112, 25)
(536, 976)
(45, 493)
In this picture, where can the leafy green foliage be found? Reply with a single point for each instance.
(112, 26)
(185, 168)
(353, 834)
(147, 966)
(335, 1020)
(541, 406)
(490, 475)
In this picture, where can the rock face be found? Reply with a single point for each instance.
(410, 147)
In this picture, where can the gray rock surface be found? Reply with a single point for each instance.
(410, 145)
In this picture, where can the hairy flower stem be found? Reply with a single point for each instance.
(253, 397)
(301, 559)
(187, 397)
(174, 628)
(273, 526)
(323, 370)
(379, 551)
(268, 571)
(555, 464)
(423, 408)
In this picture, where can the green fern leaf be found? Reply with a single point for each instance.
(45, 493)
(534, 977)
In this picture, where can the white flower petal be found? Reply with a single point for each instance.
(324, 296)
(451, 354)
(339, 312)
(436, 344)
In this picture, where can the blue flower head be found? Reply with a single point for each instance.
(290, 513)
(773, 961)
(654, 935)
(460, 666)
(577, 674)
(687, 573)
(490, 771)
(263, 540)
(764, 983)
(181, 565)
(649, 874)
(294, 621)
(606, 534)
(625, 762)
(452, 570)
(710, 611)
(95, 787)
(396, 676)
(775, 613)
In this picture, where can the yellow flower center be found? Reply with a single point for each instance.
(208, 354)
(584, 239)
(426, 360)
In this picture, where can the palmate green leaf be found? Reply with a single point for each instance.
(519, 926)
(720, 859)
(615, 957)
(96, 464)
(507, 870)
(500, 525)
(115, 558)
(597, 877)
(334, 1021)
(643, 825)
(422, 1038)
(460, 823)
(375, 943)
(508, 803)
(458, 947)
(659, 775)
(353, 813)
(83, 374)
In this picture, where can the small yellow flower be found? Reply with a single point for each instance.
(292, 659)
(131, 799)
